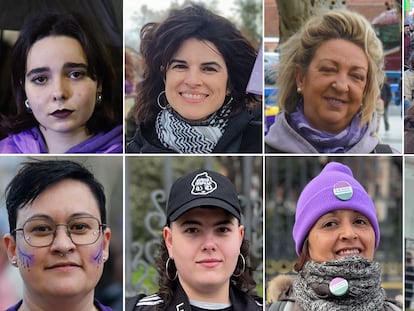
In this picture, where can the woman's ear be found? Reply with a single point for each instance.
(106, 240)
(167, 235)
(299, 76)
(241, 234)
(99, 87)
(10, 246)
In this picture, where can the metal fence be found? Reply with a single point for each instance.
(287, 176)
(140, 256)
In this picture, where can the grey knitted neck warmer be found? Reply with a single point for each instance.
(311, 287)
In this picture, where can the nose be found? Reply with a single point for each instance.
(62, 243)
(59, 89)
(348, 232)
(209, 243)
(193, 77)
(341, 83)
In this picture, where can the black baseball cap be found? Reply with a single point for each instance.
(202, 188)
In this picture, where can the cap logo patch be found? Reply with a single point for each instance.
(343, 191)
(203, 184)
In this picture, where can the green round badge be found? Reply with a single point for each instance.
(338, 286)
(343, 191)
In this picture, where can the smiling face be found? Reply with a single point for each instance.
(339, 234)
(205, 245)
(46, 274)
(60, 92)
(196, 80)
(333, 85)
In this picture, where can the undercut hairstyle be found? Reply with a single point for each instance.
(35, 177)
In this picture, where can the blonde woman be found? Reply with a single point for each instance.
(330, 77)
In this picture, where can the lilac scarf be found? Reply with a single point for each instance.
(325, 142)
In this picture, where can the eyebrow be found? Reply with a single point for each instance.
(68, 65)
(211, 63)
(45, 216)
(336, 63)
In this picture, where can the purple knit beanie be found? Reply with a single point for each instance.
(334, 188)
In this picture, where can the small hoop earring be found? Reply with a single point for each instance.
(26, 104)
(166, 270)
(230, 100)
(14, 263)
(99, 99)
(243, 265)
(159, 103)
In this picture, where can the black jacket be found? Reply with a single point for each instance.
(240, 302)
(243, 134)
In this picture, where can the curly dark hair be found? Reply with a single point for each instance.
(160, 41)
(245, 281)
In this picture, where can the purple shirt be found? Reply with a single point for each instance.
(97, 304)
(31, 141)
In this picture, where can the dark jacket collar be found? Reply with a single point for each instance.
(239, 301)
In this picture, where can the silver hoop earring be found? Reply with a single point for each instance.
(26, 104)
(14, 263)
(166, 270)
(99, 99)
(158, 101)
(230, 100)
(243, 266)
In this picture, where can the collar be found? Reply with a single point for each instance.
(239, 300)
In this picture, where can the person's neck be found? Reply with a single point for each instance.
(58, 142)
(206, 293)
(79, 303)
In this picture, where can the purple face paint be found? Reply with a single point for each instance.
(26, 260)
(97, 257)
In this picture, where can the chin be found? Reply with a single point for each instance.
(65, 291)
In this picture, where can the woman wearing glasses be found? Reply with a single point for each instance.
(58, 238)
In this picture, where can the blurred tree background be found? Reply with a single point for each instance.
(147, 184)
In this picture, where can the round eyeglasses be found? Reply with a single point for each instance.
(41, 232)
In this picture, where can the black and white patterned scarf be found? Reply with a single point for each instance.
(311, 287)
(185, 136)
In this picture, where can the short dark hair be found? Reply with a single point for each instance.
(35, 177)
(100, 68)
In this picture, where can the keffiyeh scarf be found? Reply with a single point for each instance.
(311, 287)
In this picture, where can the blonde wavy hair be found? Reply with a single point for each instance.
(299, 50)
